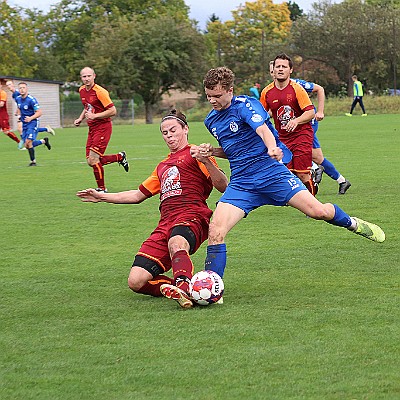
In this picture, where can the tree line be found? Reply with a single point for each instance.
(148, 47)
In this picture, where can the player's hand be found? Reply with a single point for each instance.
(199, 153)
(89, 195)
(27, 119)
(276, 153)
(77, 122)
(291, 125)
(90, 115)
(319, 116)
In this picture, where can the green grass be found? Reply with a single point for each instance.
(311, 311)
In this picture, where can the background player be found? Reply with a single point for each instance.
(184, 184)
(30, 112)
(98, 109)
(323, 164)
(292, 112)
(15, 93)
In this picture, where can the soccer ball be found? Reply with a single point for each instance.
(206, 287)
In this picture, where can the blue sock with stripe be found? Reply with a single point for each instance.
(341, 218)
(216, 258)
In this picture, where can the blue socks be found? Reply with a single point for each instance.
(330, 169)
(216, 258)
(341, 218)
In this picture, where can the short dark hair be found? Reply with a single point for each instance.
(284, 56)
(219, 76)
(178, 115)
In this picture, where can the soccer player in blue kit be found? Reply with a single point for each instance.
(239, 123)
(30, 113)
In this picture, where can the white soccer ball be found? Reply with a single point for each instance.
(206, 287)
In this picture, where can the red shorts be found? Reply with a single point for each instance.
(4, 124)
(98, 138)
(156, 246)
(301, 148)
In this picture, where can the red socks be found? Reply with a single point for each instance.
(182, 268)
(152, 287)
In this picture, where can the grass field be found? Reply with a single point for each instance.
(311, 310)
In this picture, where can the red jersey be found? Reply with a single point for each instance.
(3, 110)
(286, 104)
(183, 182)
(96, 100)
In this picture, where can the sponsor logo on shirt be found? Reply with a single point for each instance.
(170, 183)
(256, 118)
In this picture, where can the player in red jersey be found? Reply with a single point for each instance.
(184, 180)
(4, 118)
(98, 109)
(292, 111)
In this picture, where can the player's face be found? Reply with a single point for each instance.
(88, 76)
(10, 86)
(174, 134)
(282, 70)
(23, 90)
(219, 98)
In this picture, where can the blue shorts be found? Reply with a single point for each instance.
(253, 191)
(315, 143)
(30, 131)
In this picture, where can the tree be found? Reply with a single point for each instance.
(17, 38)
(351, 37)
(252, 38)
(147, 57)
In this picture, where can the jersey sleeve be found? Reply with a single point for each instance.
(103, 96)
(253, 113)
(203, 168)
(307, 86)
(151, 185)
(263, 97)
(302, 97)
(3, 95)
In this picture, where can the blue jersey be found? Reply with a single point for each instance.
(256, 178)
(27, 107)
(235, 131)
(15, 95)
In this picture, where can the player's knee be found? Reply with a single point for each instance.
(92, 161)
(134, 283)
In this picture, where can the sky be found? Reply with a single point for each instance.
(200, 10)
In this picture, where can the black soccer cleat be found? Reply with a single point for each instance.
(124, 161)
(47, 143)
(343, 187)
(318, 174)
(32, 164)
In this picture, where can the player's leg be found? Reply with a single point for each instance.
(7, 131)
(334, 215)
(93, 160)
(225, 217)
(362, 106)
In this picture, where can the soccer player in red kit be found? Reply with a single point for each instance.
(4, 118)
(292, 111)
(98, 109)
(184, 180)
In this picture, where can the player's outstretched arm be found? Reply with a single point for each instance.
(127, 197)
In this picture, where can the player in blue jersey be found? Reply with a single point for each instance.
(257, 176)
(15, 93)
(30, 113)
(323, 164)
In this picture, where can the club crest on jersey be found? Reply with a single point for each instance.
(170, 183)
(233, 126)
(285, 114)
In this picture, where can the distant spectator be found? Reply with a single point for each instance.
(358, 96)
(254, 91)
